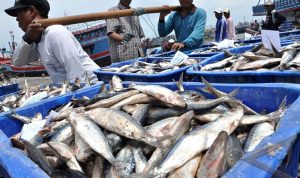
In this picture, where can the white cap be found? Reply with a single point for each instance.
(226, 10)
(171, 41)
(218, 10)
(268, 2)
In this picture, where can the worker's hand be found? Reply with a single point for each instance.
(34, 31)
(127, 37)
(163, 14)
(177, 46)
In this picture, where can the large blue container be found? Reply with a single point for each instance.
(265, 97)
(14, 163)
(242, 76)
(162, 77)
(259, 97)
(5, 90)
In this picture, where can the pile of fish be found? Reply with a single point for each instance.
(154, 67)
(148, 131)
(259, 59)
(33, 94)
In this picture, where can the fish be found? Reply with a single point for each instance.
(64, 135)
(254, 57)
(139, 159)
(38, 157)
(213, 163)
(93, 136)
(116, 83)
(122, 124)
(189, 169)
(287, 57)
(106, 103)
(135, 99)
(198, 140)
(155, 114)
(141, 113)
(234, 152)
(260, 64)
(179, 128)
(82, 150)
(257, 134)
(66, 153)
(162, 94)
(219, 94)
(218, 65)
(155, 67)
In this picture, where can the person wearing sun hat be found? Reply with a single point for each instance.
(221, 26)
(273, 18)
(56, 47)
(229, 23)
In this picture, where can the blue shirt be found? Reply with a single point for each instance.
(188, 30)
(221, 28)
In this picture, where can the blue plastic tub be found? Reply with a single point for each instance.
(242, 76)
(5, 90)
(14, 163)
(258, 97)
(266, 97)
(162, 77)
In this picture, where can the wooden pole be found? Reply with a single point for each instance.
(68, 20)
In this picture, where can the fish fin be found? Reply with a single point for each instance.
(233, 93)
(276, 53)
(209, 87)
(227, 53)
(280, 111)
(179, 83)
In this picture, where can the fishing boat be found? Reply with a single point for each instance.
(93, 40)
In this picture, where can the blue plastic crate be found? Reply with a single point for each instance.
(258, 97)
(266, 97)
(242, 76)
(13, 162)
(162, 77)
(5, 90)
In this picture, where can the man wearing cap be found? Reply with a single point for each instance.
(273, 18)
(229, 23)
(221, 26)
(188, 24)
(57, 48)
(125, 34)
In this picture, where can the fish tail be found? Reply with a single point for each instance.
(275, 116)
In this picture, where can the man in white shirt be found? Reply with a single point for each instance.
(58, 49)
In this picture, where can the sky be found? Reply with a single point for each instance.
(240, 10)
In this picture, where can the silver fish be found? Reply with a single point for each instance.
(111, 101)
(93, 136)
(213, 163)
(257, 134)
(121, 123)
(198, 140)
(189, 169)
(163, 94)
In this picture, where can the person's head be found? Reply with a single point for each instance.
(255, 21)
(27, 10)
(226, 13)
(218, 13)
(269, 5)
(186, 3)
(125, 2)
